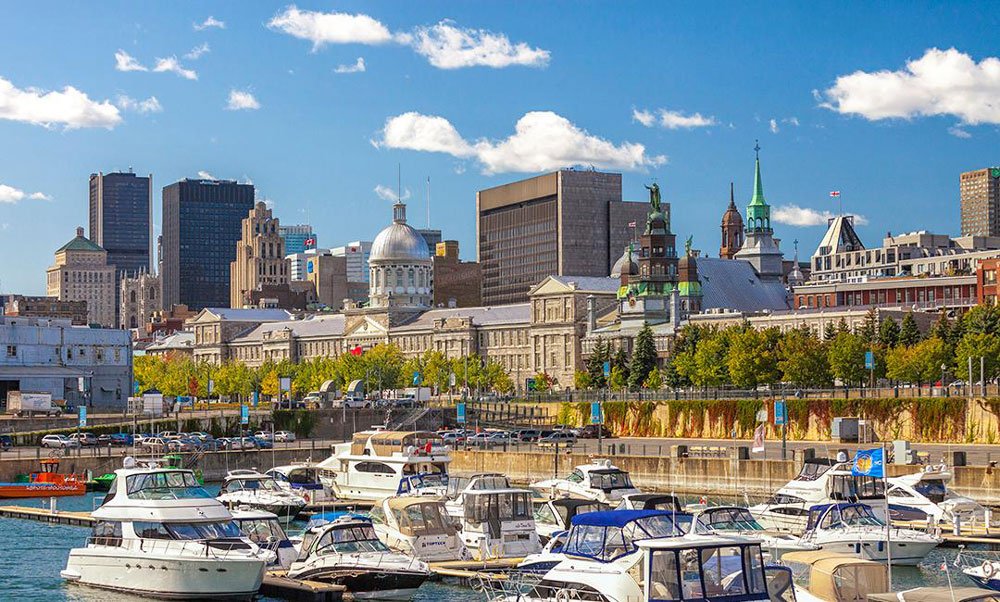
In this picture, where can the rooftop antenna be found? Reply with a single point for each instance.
(399, 182)
(428, 202)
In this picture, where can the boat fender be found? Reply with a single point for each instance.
(988, 569)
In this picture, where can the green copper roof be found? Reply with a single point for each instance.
(79, 243)
(758, 188)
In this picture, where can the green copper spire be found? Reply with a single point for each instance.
(758, 186)
(758, 211)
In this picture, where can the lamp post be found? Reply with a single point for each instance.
(944, 388)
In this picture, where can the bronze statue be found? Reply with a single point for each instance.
(654, 196)
(687, 246)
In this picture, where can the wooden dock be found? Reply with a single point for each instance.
(278, 585)
(470, 569)
(44, 515)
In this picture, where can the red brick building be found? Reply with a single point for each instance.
(986, 282)
(924, 293)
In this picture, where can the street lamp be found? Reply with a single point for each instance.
(944, 367)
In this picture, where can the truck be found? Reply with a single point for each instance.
(323, 398)
(24, 403)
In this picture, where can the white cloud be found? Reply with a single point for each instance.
(941, 82)
(69, 107)
(386, 193)
(542, 140)
(357, 67)
(330, 28)
(198, 51)
(11, 195)
(447, 46)
(672, 120)
(791, 121)
(241, 100)
(150, 105)
(959, 132)
(773, 124)
(793, 215)
(209, 23)
(172, 65)
(126, 62)
(204, 175)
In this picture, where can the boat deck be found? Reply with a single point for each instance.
(470, 569)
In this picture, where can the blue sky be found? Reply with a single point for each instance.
(861, 103)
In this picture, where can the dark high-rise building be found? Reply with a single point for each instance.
(979, 193)
(121, 211)
(433, 237)
(201, 226)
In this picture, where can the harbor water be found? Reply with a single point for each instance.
(36, 552)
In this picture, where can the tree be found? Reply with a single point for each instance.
(710, 362)
(909, 334)
(654, 381)
(751, 359)
(942, 329)
(982, 319)
(618, 379)
(888, 333)
(868, 331)
(829, 331)
(643, 358)
(620, 359)
(977, 345)
(581, 380)
(543, 382)
(437, 370)
(383, 366)
(595, 364)
(846, 355)
(931, 355)
(901, 365)
(802, 359)
(842, 327)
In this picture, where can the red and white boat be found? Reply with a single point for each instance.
(49, 482)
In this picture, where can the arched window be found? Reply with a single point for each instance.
(410, 281)
(131, 296)
(399, 276)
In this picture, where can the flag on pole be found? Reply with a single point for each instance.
(356, 350)
(310, 242)
(834, 193)
(758, 438)
(869, 463)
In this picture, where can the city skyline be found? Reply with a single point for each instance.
(319, 104)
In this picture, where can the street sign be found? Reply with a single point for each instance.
(869, 360)
(83, 417)
(529, 384)
(780, 412)
(595, 413)
(461, 412)
(244, 414)
(416, 377)
(762, 415)
(607, 369)
(285, 384)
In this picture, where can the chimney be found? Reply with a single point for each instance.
(591, 314)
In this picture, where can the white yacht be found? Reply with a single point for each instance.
(303, 480)
(381, 464)
(477, 482)
(600, 480)
(252, 489)
(553, 516)
(419, 526)
(346, 551)
(649, 501)
(928, 492)
(264, 529)
(496, 523)
(159, 534)
(855, 529)
(736, 520)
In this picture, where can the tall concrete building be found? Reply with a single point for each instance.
(81, 273)
(328, 275)
(138, 300)
(357, 254)
(202, 222)
(433, 237)
(980, 201)
(260, 257)
(457, 283)
(297, 238)
(561, 223)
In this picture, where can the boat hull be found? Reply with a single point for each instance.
(903, 553)
(30, 490)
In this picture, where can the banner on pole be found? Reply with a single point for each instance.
(461, 413)
(758, 438)
(869, 463)
(595, 413)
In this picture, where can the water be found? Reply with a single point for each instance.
(36, 552)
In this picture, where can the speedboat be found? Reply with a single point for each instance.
(346, 551)
(380, 464)
(928, 492)
(600, 481)
(550, 555)
(496, 523)
(855, 529)
(418, 526)
(553, 516)
(735, 520)
(650, 501)
(159, 534)
(254, 490)
(831, 577)
(303, 480)
(264, 529)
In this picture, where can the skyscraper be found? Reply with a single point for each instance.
(260, 257)
(201, 225)
(980, 202)
(81, 273)
(298, 238)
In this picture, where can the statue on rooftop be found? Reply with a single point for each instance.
(654, 196)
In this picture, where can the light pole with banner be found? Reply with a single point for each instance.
(597, 419)
(781, 419)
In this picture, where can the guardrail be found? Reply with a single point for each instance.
(107, 451)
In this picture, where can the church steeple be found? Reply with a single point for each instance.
(758, 211)
(732, 228)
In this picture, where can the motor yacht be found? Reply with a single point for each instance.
(346, 551)
(252, 489)
(855, 529)
(303, 480)
(928, 492)
(830, 577)
(264, 529)
(600, 480)
(496, 523)
(553, 516)
(380, 464)
(649, 501)
(478, 481)
(736, 520)
(419, 526)
(550, 555)
(159, 534)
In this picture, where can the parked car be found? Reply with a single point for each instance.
(562, 438)
(529, 435)
(265, 435)
(6, 442)
(262, 443)
(453, 437)
(59, 441)
(479, 439)
(85, 439)
(591, 430)
(201, 435)
(154, 444)
(121, 439)
(170, 435)
(284, 436)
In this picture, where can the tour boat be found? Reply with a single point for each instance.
(649, 501)
(346, 551)
(855, 529)
(736, 520)
(418, 526)
(46, 483)
(159, 534)
(833, 577)
(303, 480)
(600, 480)
(496, 523)
(928, 492)
(553, 516)
(264, 529)
(254, 490)
(380, 464)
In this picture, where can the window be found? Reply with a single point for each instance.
(11, 350)
(374, 467)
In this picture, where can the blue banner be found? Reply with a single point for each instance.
(244, 414)
(869, 463)
(607, 369)
(461, 413)
(869, 360)
(595, 413)
(780, 412)
(83, 417)
(416, 378)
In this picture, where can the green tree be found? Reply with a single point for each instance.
(931, 354)
(581, 380)
(976, 345)
(543, 382)
(643, 358)
(710, 362)
(909, 334)
(654, 381)
(942, 329)
(437, 370)
(620, 359)
(842, 327)
(846, 355)
(618, 379)
(868, 331)
(595, 364)
(752, 358)
(982, 319)
(802, 359)
(829, 331)
(888, 333)
(901, 365)
(383, 366)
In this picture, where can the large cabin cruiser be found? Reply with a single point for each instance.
(600, 480)
(418, 526)
(264, 529)
(380, 464)
(928, 492)
(736, 520)
(159, 534)
(553, 516)
(252, 489)
(303, 480)
(346, 551)
(496, 523)
(855, 529)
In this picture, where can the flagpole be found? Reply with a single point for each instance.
(888, 515)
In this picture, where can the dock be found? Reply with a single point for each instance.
(278, 585)
(44, 515)
(470, 569)
(967, 534)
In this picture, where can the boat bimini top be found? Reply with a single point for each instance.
(608, 535)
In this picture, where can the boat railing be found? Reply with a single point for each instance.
(524, 585)
(218, 550)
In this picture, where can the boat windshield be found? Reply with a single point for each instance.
(262, 530)
(428, 518)
(811, 471)
(851, 488)
(850, 516)
(508, 505)
(606, 543)
(709, 573)
(932, 489)
(349, 539)
(609, 480)
(188, 531)
(568, 512)
(255, 484)
(167, 485)
(457, 485)
(731, 519)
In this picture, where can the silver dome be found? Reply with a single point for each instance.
(633, 264)
(399, 241)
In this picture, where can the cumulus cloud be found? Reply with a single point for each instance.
(198, 51)
(330, 28)
(791, 121)
(126, 62)
(941, 82)
(69, 107)
(542, 140)
(150, 105)
(241, 100)
(357, 67)
(447, 46)
(10, 195)
(794, 215)
(959, 132)
(387, 193)
(672, 120)
(773, 124)
(204, 175)
(209, 23)
(170, 64)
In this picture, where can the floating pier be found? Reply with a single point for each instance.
(470, 569)
(44, 515)
(278, 585)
